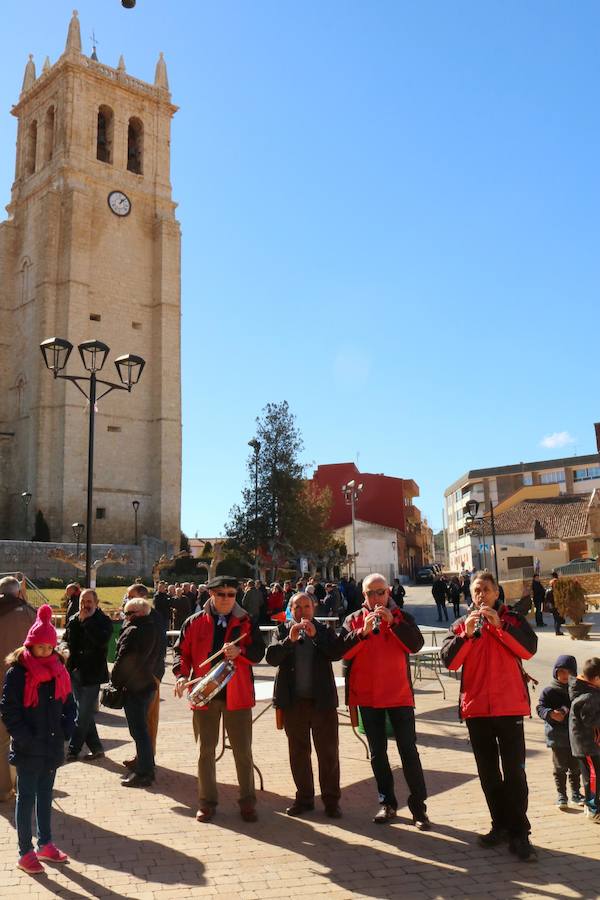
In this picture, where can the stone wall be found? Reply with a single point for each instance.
(590, 582)
(32, 559)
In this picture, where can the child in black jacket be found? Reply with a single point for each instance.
(584, 732)
(38, 712)
(553, 708)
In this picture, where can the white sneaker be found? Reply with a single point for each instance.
(592, 814)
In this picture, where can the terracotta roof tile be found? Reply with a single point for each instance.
(558, 518)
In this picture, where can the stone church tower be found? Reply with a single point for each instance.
(90, 250)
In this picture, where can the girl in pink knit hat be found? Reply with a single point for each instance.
(38, 711)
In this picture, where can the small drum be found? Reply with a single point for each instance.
(209, 686)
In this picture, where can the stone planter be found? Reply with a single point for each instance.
(579, 632)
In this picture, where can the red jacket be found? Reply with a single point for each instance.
(379, 670)
(195, 643)
(492, 682)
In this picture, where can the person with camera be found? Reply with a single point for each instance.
(305, 693)
(489, 644)
(379, 638)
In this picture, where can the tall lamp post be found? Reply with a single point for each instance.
(255, 444)
(78, 528)
(26, 498)
(136, 506)
(352, 492)
(56, 352)
(473, 519)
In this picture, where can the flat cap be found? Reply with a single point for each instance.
(222, 581)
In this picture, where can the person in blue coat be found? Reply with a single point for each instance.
(38, 711)
(553, 708)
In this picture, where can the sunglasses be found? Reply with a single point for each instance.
(222, 594)
(380, 592)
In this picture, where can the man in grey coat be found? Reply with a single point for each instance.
(16, 618)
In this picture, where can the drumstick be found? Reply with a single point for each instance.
(210, 659)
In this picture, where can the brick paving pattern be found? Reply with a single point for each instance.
(127, 843)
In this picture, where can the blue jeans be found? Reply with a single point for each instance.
(136, 710)
(402, 719)
(85, 732)
(33, 790)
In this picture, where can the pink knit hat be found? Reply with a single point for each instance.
(42, 631)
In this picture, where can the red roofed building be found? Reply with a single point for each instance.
(386, 503)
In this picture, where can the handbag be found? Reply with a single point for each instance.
(112, 697)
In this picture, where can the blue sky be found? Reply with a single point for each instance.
(390, 219)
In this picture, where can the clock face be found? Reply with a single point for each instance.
(119, 203)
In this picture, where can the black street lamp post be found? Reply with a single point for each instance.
(78, 528)
(352, 492)
(255, 444)
(136, 506)
(26, 497)
(56, 352)
(473, 519)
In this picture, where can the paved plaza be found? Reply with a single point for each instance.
(147, 844)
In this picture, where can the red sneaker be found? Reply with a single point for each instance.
(30, 864)
(52, 854)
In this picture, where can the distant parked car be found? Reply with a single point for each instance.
(585, 564)
(425, 575)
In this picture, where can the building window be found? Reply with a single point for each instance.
(100, 512)
(137, 326)
(527, 479)
(49, 134)
(113, 428)
(459, 514)
(26, 281)
(104, 135)
(31, 148)
(552, 477)
(135, 142)
(95, 317)
(586, 474)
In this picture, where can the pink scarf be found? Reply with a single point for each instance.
(39, 669)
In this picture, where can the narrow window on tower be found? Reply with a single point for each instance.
(31, 148)
(104, 137)
(135, 142)
(49, 134)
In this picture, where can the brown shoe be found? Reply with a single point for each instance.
(296, 809)
(334, 812)
(385, 814)
(130, 763)
(248, 813)
(205, 814)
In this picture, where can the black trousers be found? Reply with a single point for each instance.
(565, 763)
(441, 610)
(539, 618)
(403, 724)
(589, 765)
(495, 739)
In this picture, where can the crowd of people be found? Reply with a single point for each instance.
(50, 692)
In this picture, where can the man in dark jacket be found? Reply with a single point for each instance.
(538, 595)
(86, 636)
(162, 603)
(305, 691)
(379, 638)
(137, 651)
(584, 732)
(553, 709)
(439, 589)
(489, 644)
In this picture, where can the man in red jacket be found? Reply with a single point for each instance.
(489, 643)
(379, 637)
(214, 629)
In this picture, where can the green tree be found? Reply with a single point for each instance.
(280, 511)
(41, 531)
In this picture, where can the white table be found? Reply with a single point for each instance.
(428, 658)
(432, 631)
